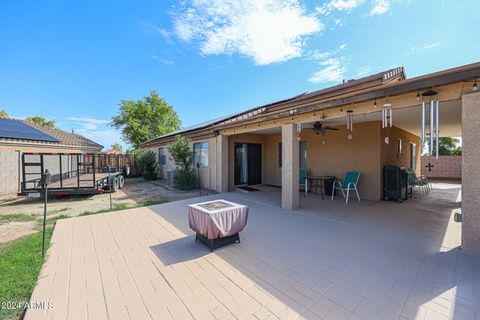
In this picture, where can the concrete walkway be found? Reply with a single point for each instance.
(327, 260)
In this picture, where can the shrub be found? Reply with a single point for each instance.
(182, 155)
(147, 164)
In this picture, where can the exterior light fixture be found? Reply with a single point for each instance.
(418, 95)
(375, 103)
(475, 85)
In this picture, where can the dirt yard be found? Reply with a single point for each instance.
(135, 191)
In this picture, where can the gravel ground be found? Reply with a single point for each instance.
(134, 191)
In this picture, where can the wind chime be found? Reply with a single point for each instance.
(387, 119)
(434, 121)
(350, 123)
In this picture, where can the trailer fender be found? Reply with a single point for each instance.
(121, 181)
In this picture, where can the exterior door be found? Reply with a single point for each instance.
(247, 163)
(254, 152)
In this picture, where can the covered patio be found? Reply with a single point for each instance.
(367, 260)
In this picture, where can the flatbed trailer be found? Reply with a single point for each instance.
(74, 173)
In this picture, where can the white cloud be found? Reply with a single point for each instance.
(380, 7)
(340, 5)
(162, 60)
(88, 123)
(324, 55)
(97, 130)
(333, 71)
(161, 31)
(430, 45)
(268, 31)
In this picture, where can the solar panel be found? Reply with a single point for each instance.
(16, 129)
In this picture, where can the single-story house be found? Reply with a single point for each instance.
(376, 121)
(19, 136)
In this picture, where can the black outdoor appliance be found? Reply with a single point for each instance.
(395, 183)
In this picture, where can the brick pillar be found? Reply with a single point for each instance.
(222, 163)
(290, 158)
(470, 173)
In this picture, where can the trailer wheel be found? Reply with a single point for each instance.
(121, 181)
(115, 184)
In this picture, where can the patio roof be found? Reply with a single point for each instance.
(327, 261)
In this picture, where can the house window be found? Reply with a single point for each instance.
(201, 154)
(162, 156)
(399, 146)
(280, 154)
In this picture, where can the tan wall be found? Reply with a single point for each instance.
(470, 173)
(245, 138)
(446, 167)
(208, 175)
(338, 155)
(389, 155)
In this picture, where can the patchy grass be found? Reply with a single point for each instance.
(6, 218)
(20, 264)
(148, 203)
(124, 206)
(54, 219)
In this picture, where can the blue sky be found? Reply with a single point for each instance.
(74, 61)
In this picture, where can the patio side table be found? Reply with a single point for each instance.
(321, 179)
(217, 223)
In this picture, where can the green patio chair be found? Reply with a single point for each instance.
(350, 182)
(302, 174)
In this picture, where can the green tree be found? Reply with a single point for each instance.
(447, 146)
(145, 119)
(41, 121)
(4, 114)
(183, 157)
(116, 146)
(147, 164)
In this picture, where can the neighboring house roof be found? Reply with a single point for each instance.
(67, 138)
(113, 151)
(22, 131)
(17, 129)
(396, 74)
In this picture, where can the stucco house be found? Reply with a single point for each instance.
(18, 136)
(378, 121)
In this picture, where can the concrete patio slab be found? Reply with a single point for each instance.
(324, 261)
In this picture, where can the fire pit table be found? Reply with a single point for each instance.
(217, 223)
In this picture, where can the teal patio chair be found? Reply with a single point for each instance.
(302, 175)
(350, 182)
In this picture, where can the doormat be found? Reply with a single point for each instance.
(248, 189)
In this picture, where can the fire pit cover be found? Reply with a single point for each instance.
(218, 218)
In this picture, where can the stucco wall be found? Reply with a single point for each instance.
(337, 156)
(445, 167)
(470, 173)
(9, 171)
(208, 175)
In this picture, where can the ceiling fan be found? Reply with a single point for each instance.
(321, 128)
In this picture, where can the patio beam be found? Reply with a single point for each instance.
(470, 173)
(314, 111)
(290, 167)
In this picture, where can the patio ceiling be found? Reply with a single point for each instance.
(408, 119)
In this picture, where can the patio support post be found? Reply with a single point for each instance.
(222, 163)
(290, 167)
(470, 173)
